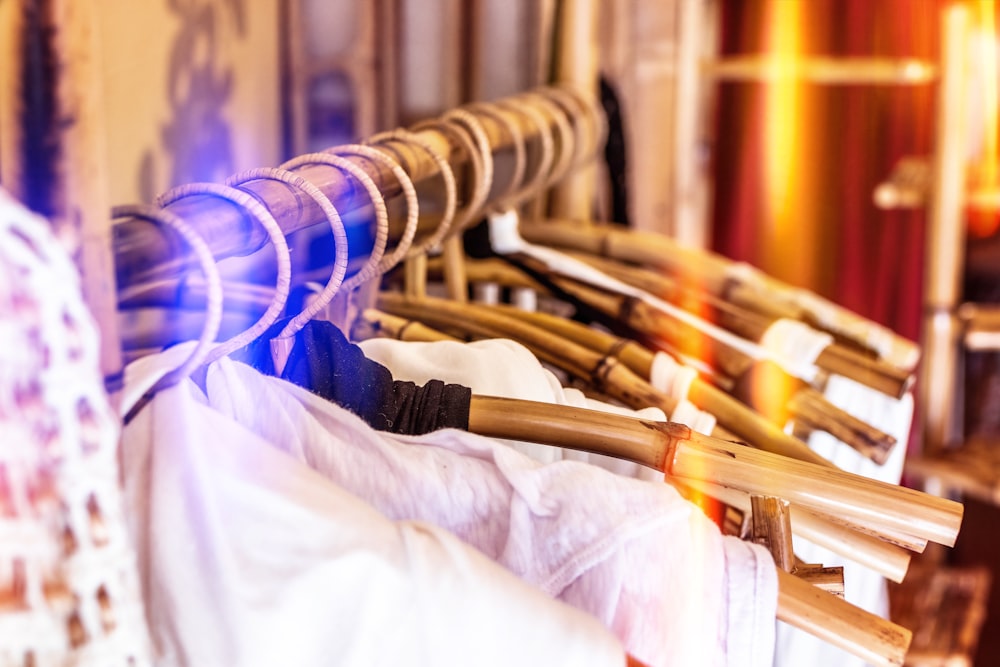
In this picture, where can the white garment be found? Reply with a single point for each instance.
(505, 368)
(251, 558)
(862, 586)
(634, 554)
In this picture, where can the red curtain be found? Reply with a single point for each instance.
(846, 140)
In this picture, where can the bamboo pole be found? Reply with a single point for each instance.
(805, 404)
(772, 528)
(835, 358)
(837, 622)
(822, 70)
(143, 253)
(714, 273)
(575, 62)
(888, 559)
(944, 254)
(656, 445)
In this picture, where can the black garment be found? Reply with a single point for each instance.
(615, 153)
(323, 361)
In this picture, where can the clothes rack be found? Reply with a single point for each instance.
(144, 255)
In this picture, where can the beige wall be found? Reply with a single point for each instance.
(191, 91)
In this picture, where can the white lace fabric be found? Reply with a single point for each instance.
(69, 588)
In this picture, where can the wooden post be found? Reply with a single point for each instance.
(830, 579)
(772, 528)
(938, 386)
(576, 63)
(75, 191)
(11, 33)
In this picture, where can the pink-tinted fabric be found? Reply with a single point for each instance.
(633, 554)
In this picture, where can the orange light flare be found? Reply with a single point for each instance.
(984, 220)
(787, 156)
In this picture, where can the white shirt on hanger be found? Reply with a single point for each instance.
(634, 554)
(248, 557)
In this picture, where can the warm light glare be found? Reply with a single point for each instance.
(985, 57)
(785, 161)
(781, 115)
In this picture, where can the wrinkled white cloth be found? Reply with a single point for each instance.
(505, 368)
(862, 586)
(251, 558)
(636, 555)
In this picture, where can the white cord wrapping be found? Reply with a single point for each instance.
(670, 377)
(795, 346)
(674, 380)
(687, 413)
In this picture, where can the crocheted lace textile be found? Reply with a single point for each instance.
(69, 587)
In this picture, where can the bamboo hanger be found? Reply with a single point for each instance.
(213, 295)
(725, 278)
(509, 195)
(804, 404)
(416, 259)
(246, 202)
(282, 344)
(470, 135)
(566, 150)
(477, 318)
(887, 559)
(835, 358)
(545, 149)
(371, 266)
(676, 449)
(365, 293)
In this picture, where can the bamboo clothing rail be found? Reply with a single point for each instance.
(143, 252)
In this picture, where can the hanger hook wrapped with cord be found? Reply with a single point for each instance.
(415, 268)
(370, 269)
(444, 227)
(471, 124)
(463, 136)
(579, 115)
(259, 212)
(209, 269)
(567, 137)
(282, 343)
(540, 176)
(517, 144)
(409, 192)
